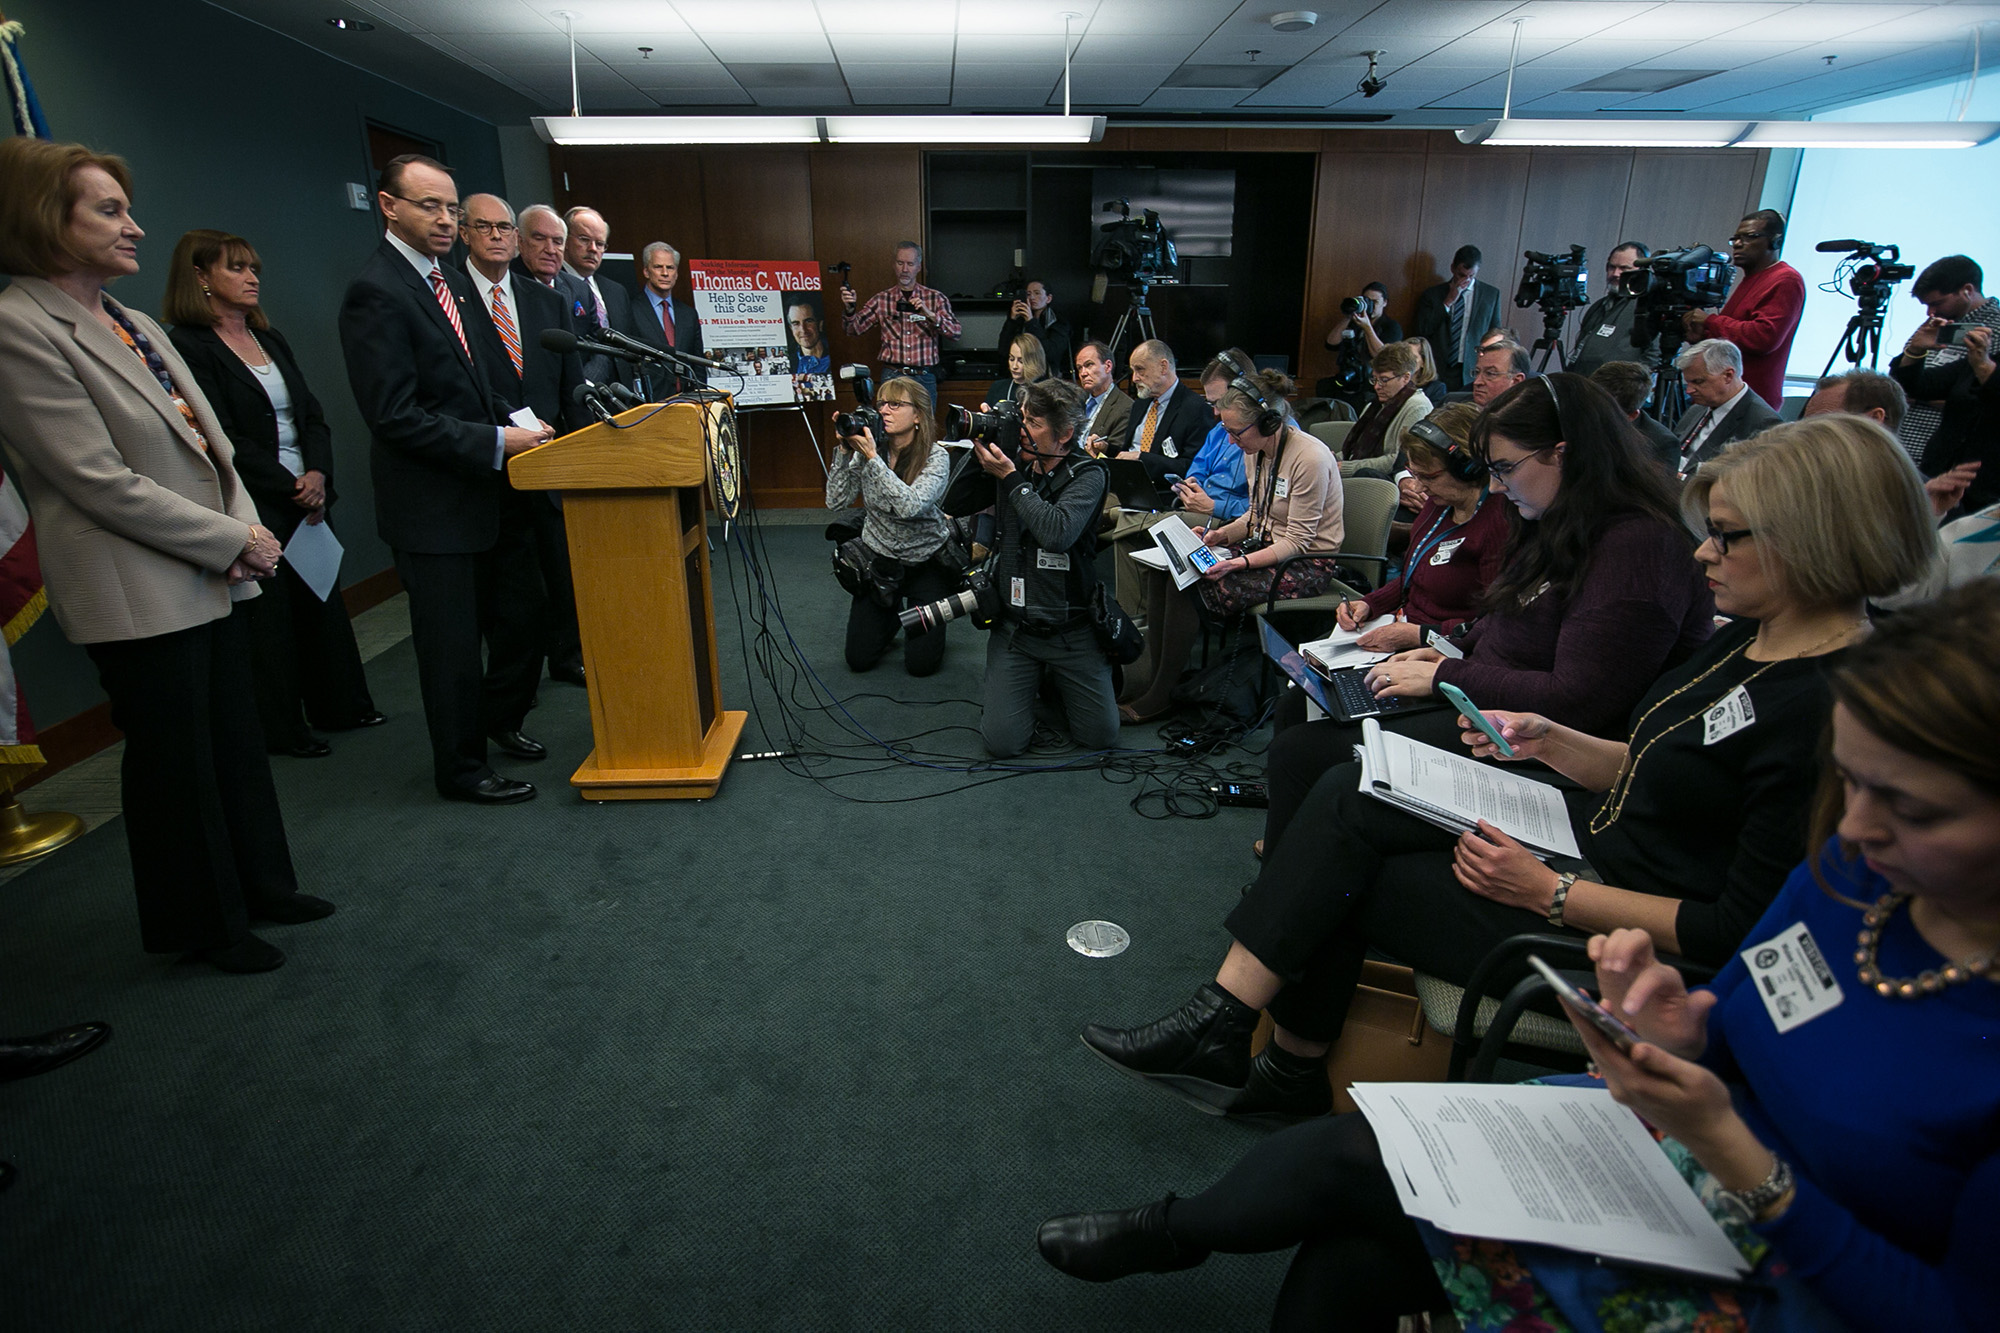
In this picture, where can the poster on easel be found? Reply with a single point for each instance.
(766, 321)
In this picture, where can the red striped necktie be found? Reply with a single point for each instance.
(667, 318)
(504, 322)
(443, 294)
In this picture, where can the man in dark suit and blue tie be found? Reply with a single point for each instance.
(1455, 314)
(665, 322)
(419, 344)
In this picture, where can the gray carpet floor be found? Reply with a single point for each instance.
(775, 1060)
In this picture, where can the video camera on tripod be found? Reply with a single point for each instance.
(1136, 248)
(1668, 285)
(1870, 272)
(1558, 284)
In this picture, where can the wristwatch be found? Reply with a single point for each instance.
(1563, 881)
(1757, 1200)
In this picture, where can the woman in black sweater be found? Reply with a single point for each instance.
(1697, 818)
(305, 660)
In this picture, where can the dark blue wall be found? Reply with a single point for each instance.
(227, 124)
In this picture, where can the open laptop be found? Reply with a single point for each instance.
(1138, 487)
(1339, 694)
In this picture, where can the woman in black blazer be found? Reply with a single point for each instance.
(306, 661)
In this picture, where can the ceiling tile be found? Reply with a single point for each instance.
(657, 77)
(622, 48)
(1129, 49)
(751, 16)
(770, 49)
(887, 16)
(1428, 18)
(1040, 52)
(1692, 22)
(1492, 53)
(1003, 18)
(1554, 18)
(1191, 18)
(1824, 22)
(877, 48)
(929, 74)
(467, 15)
(1194, 99)
(925, 95)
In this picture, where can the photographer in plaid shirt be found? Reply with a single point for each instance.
(912, 318)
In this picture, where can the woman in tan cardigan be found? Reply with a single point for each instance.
(147, 539)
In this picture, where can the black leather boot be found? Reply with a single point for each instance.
(1102, 1247)
(1201, 1050)
(1283, 1089)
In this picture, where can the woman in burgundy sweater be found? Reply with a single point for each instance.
(1456, 543)
(1598, 594)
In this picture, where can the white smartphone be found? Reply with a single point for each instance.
(1619, 1032)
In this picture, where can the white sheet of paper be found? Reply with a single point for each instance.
(526, 419)
(314, 555)
(1337, 651)
(1455, 792)
(1556, 1166)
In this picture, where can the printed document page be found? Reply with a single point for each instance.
(1337, 650)
(1555, 1166)
(1456, 792)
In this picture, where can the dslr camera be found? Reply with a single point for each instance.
(1001, 427)
(1554, 282)
(1671, 283)
(977, 600)
(864, 416)
(1353, 305)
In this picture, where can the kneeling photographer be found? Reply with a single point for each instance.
(1040, 585)
(889, 457)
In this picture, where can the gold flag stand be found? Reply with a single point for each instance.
(23, 836)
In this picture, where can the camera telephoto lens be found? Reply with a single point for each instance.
(1350, 305)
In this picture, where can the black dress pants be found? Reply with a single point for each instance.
(562, 639)
(1320, 1186)
(1301, 752)
(201, 814)
(455, 599)
(308, 667)
(1363, 874)
(871, 628)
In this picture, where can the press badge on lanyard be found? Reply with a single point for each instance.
(1017, 592)
(1729, 716)
(1792, 977)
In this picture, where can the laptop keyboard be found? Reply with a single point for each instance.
(1351, 691)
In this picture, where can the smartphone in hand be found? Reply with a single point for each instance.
(1456, 697)
(1590, 1011)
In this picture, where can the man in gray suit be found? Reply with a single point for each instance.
(1723, 409)
(1455, 314)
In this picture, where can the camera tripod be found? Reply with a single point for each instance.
(1555, 314)
(1138, 316)
(1862, 339)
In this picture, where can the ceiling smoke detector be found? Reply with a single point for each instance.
(1294, 20)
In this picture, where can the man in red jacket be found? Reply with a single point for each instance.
(1762, 314)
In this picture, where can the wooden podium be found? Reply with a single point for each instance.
(633, 501)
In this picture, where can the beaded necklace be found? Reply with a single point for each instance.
(1927, 982)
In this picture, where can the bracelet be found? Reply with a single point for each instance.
(1563, 881)
(1758, 1200)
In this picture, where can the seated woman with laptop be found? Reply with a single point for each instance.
(1848, 1121)
(1696, 818)
(1596, 597)
(1294, 509)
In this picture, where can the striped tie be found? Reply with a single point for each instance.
(443, 294)
(603, 319)
(505, 323)
(1457, 357)
(1152, 424)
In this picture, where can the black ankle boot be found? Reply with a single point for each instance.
(1102, 1247)
(1201, 1050)
(1283, 1089)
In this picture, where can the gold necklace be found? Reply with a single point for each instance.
(1614, 800)
(1928, 982)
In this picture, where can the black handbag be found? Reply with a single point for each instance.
(1116, 634)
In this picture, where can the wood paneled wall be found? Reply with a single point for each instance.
(1389, 205)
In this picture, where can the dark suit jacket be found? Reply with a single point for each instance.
(1114, 417)
(1434, 324)
(247, 418)
(1187, 419)
(430, 410)
(547, 379)
(1750, 415)
(663, 382)
(1663, 443)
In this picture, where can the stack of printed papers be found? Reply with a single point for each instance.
(1455, 791)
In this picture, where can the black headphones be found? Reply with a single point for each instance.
(1459, 461)
(1269, 418)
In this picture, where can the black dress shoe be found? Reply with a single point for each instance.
(291, 909)
(1200, 1051)
(514, 743)
(1103, 1247)
(307, 749)
(569, 673)
(6, 1174)
(1283, 1089)
(369, 719)
(248, 954)
(24, 1057)
(491, 790)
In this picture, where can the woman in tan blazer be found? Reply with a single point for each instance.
(147, 538)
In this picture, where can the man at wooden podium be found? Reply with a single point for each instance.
(419, 344)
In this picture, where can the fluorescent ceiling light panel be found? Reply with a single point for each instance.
(583, 131)
(964, 129)
(1684, 133)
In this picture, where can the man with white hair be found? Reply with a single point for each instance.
(662, 320)
(1722, 408)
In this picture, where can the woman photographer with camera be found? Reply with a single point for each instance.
(1295, 509)
(1025, 365)
(893, 563)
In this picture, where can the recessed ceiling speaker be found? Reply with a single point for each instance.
(1294, 20)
